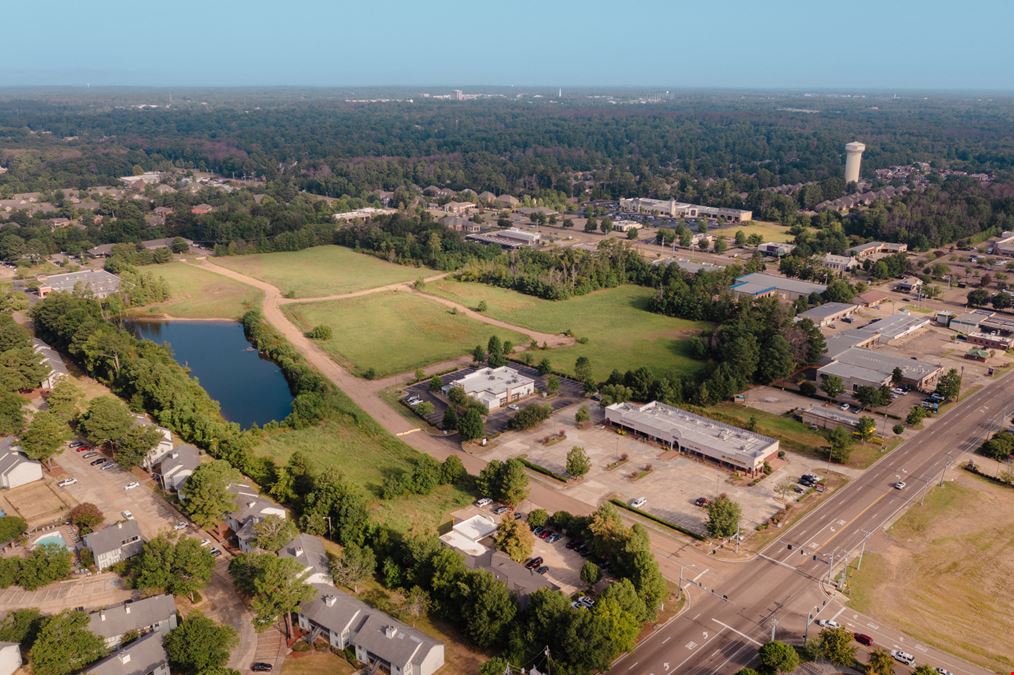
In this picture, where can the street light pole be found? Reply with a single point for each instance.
(774, 625)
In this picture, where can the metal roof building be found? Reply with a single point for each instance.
(759, 285)
(685, 431)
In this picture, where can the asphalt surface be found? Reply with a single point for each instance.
(776, 591)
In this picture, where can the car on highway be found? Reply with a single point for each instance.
(903, 657)
(863, 639)
(828, 623)
(261, 667)
(484, 501)
(180, 525)
(900, 485)
(638, 502)
(67, 481)
(127, 515)
(131, 485)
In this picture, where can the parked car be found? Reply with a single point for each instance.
(944, 671)
(109, 466)
(555, 537)
(261, 667)
(127, 515)
(180, 525)
(67, 481)
(75, 444)
(483, 502)
(206, 542)
(903, 657)
(578, 605)
(100, 460)
(586, 601)
(639, 502)
(542, 570)
(514, 406)
(501, 509)
(537, 530)
(863, 639)
(900, 485)
(89, 454)
(518, 515)
(701, 501)
(131, 485)
(545, 534)
(215, 552)
(533, 563)
(844, 406)
(828, 623)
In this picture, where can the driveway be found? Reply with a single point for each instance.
(154, 516)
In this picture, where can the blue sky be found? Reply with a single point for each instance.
(832, 44)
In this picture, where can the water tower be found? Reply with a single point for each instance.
(853, 157)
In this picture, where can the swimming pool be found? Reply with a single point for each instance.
(53, 539)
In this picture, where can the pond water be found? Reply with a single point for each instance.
(251, 389)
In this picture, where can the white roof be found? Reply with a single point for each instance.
(476, 527)
(495, 381)
(462, 543)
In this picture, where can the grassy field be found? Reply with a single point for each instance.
(794, 435)
(768, 230)
(621, 333)
(200, 294)
(322, 270)
(316, 663)
(365, 458)
(945, 573)
(394, 331)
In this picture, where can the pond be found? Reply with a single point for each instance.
(251, 389)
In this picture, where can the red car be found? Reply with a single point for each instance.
(82, 448)
(863, 639)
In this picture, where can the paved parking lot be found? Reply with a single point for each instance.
(496, 422)
(671, 486)
(154, 516)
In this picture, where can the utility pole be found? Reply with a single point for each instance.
(806, 629)
(774, 625)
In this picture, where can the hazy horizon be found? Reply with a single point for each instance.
(927, 46)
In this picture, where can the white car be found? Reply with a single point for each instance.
(828, 623)
(131, 485)
(900, 485)
(639, 502)
(944, 671)
(844, 406)
(67, 481)
(180, 525)
(904, 657)
(206, 542)
(127, 515)
(485, 501)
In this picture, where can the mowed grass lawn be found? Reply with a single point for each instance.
(768, 230)
(944, 574)
(200, 294)
(322, 270)
(393, 332)
(621, 332)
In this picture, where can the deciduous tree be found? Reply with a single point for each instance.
(198, 644)
(65, 645)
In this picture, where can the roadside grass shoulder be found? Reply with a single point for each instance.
(621, 333)
(197, 293)
(322, 270)
(392, 332)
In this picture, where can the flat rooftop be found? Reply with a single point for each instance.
(896, 326)
(825, 311)
(884, 363)
(759, 283)
(494, 380)
(834, 415)
(666, 422)
(99, 281)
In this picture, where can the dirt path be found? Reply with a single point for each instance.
(397, 286)
(364, 394)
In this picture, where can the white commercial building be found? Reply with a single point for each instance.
(99, 282)
(687, 432)
(10, 657)
(495, 387)
(675, 209)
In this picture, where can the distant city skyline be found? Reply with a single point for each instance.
(734, 44)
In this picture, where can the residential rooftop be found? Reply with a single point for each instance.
(140, 657)
(133, 615)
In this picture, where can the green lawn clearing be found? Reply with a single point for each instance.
(197, 293)
(322, 270)
(943, 574)
(393, 332)
(767, 230)
(622, 334)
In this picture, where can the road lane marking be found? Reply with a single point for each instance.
(691, 645)
(742, 635)
(775, 561)
(667, 639)
(680, 664)
(836, 614)
(633, 665)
